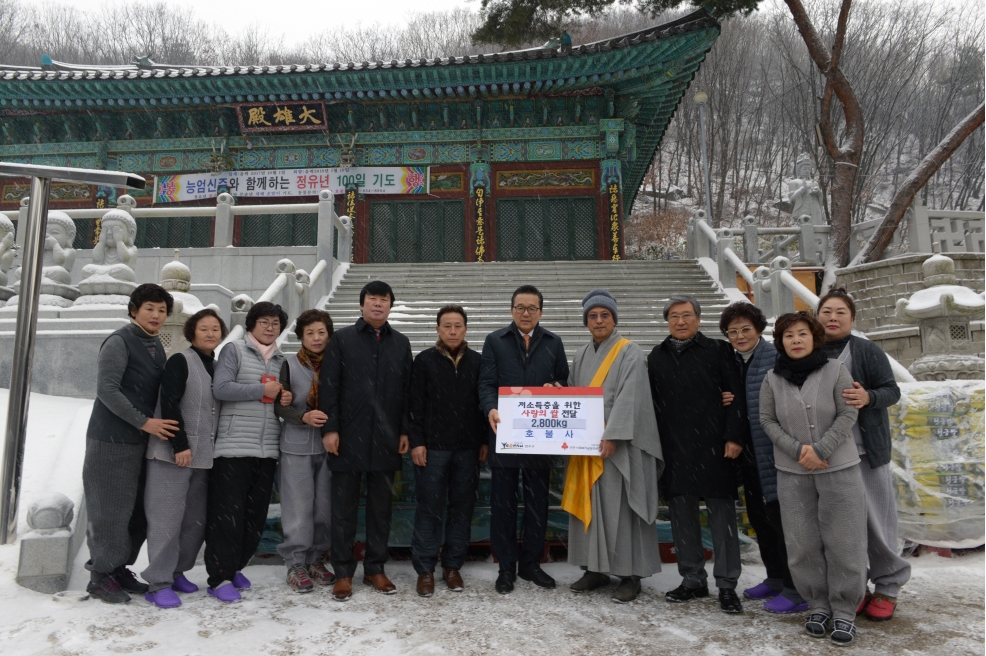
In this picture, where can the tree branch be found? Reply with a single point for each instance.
(913, 183)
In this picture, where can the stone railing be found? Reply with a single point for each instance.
(704, 241)
(921, 229)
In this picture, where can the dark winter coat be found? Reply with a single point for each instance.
(694, 425)
(506, 364)
(871, 369)
(754, 371)
(445, 412)
(363, 389)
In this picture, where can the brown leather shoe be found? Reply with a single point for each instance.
(380, 583)
(426, 584)
(343, 589)
(452, 579)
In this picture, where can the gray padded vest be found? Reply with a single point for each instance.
(250, 428)
(300, 440)
(199, 411)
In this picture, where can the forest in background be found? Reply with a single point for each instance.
(917, 67)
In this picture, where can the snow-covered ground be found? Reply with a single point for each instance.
(941, 609)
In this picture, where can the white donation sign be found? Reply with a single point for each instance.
(550, 420)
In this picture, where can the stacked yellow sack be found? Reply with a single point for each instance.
(938, 453)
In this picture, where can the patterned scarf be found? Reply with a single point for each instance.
(313, 362)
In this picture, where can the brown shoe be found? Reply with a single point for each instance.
(380, 583)
(452, 579)
(426, 584)
(343, 589)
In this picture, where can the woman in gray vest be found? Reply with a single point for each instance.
(305, 482)
(247, 447)
(818, 480)
(873, 391)
(178, 468)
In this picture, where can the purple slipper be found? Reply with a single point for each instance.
(163, 598)
(783, 606)
(761, 591)
(182, 584)
(241, 582)
(225, 593)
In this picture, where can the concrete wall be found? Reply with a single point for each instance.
(876, 287)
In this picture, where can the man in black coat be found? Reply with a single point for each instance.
(363, 388)
(701, 440)
(521, 355)
(448, 441)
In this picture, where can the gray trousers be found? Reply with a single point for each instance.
(825, 532)
(305, 486)
(175, 501)
(112, 480)
(888, 570)
(687, 531)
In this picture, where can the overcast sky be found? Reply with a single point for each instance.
(297, 19)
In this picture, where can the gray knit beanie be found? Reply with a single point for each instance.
(598, 298)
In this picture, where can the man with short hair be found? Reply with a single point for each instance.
(521, 355)
(701, 439)
(364, 383)
(128, 378)
(448, 441)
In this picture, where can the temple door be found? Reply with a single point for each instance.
(417, 231)
(546, 228)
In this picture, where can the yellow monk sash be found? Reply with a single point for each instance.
(584, 471)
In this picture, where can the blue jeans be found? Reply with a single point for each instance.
(446, 485)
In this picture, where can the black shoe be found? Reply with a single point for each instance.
(843, 631)
(538, 577)
(729, 602)
(107, 590)
(590, 581)
(681, 594)
(128, 581)
(505, 582)
(817, 625)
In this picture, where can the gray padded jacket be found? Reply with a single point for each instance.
(200, 413)
(247, 427)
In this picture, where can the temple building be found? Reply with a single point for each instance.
(526, 155)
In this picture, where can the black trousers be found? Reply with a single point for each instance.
(503, 520)
(445, 486)
(345, 509)
(766, 520)
(239, 496)
(113, 482)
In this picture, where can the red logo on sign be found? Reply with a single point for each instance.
(564, 445)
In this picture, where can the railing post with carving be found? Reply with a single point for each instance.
(751, 241)
(807, 245)
(126, 203)
(690, 239)
(324, 239)
(345, 239)
(239, 307)
(224, 221)
(780, 248)
(918, 228)
(761, 290)
(727, 272)
(781, 297)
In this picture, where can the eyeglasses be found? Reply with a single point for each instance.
(264, 323)
(745, 331)
(674, 318)
(520, 309)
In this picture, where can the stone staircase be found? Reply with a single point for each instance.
(640, 287)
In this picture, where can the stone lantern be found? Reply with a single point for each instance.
(942, 311)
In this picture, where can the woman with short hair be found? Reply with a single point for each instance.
(818, 479)
(873, 391)
(743, 324)
(305, 481)
(247, 448)
(178, 468)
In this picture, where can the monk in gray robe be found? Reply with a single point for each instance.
(621, 539)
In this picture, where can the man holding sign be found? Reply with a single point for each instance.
(612, 497)
(521, 355)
